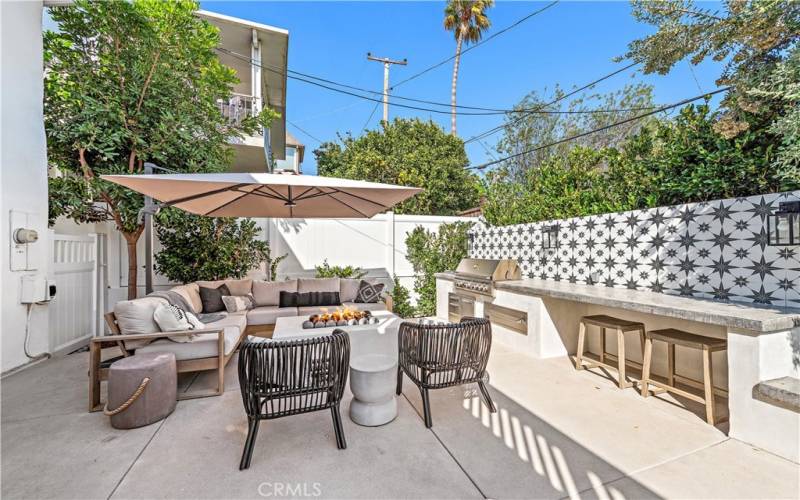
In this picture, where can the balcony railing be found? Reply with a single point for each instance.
(239, 107)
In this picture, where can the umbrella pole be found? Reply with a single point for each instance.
(148, 238)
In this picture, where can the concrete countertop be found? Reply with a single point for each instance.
(729, 314)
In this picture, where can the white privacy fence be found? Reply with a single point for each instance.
(377, 245)
(76, 309)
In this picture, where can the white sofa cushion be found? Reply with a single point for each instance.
(136, 317)
(348, 289)
(267, 293)
(267, 315)
(318, 285)
(236, 287)
(190, 292)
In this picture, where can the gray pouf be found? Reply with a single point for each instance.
(156, 397)
(373, 378)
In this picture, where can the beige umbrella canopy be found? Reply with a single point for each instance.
(267, 195)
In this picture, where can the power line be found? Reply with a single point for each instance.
(484, 110)
(491, 131)
(601, 129)
(475, 46)
(303, 131)
(370, 116)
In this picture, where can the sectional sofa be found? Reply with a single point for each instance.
(135, 331)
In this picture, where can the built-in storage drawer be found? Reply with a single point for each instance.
(459, 306)
(511, 319)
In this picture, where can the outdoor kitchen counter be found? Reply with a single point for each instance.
(763, 342)
(728, 314)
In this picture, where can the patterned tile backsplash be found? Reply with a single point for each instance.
(716, 250)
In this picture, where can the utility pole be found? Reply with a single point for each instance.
(386, 62)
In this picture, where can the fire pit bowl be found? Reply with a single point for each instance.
(340, 317)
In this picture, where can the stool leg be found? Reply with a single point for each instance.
(602, 345)
(647, 358)
(581, 341)
(708, 385)
(671, 365)
(621, 359)
(641, 341)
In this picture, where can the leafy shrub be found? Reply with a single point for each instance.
(328, 271)
(430, 253)
(401, 300)
(207, 248)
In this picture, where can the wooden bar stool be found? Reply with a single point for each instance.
(673, 337)
(621, 326)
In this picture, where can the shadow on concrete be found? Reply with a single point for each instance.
(515, 454)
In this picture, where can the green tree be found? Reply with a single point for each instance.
(535, 124)
(467, 20)
(208, 248)
(434, 252)
(129, 82)
(757, 38)
(409, 152)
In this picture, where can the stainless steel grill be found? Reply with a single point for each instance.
(478, 275)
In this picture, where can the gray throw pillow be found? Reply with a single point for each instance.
(369, 293)
(212, 298)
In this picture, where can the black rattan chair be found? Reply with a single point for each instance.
(284, 378)
(439, 356)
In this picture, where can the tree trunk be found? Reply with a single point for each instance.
(459, 41)
(133, 267)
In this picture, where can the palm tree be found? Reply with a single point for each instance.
(467, 20)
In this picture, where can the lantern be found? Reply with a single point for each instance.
(550, 236)
(783, 226)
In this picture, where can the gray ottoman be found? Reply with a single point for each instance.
(373, 378)
(142, 389)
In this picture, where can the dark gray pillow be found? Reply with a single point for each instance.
(305, 299)
(212, 298)
(369, 293)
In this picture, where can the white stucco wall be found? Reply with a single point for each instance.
(23, 170)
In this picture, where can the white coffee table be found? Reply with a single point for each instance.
(373, 363)
(380, 338)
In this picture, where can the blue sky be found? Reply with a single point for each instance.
(570, 44)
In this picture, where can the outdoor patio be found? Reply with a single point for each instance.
(558, 433)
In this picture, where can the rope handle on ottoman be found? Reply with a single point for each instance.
(138, 392)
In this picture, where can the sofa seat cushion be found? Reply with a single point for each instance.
(237, 320)
(318, 285)
(366, 306)
(267, 315)
(203, 345)
(267, 293)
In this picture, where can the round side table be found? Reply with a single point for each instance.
(373, 378)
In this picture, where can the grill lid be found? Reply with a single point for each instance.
(489, 269)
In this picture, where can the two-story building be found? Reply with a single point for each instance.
(258, 54)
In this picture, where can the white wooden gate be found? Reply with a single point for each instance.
(74, 310)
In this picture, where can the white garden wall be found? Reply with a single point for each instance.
(376, 245)
(23, 176)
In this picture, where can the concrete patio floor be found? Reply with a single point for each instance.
(558, 434)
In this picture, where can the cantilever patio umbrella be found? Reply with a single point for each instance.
(267, 195)
(261, 195)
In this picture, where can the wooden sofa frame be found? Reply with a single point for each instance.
(98, 370)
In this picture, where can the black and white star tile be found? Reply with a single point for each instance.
(716, 249)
